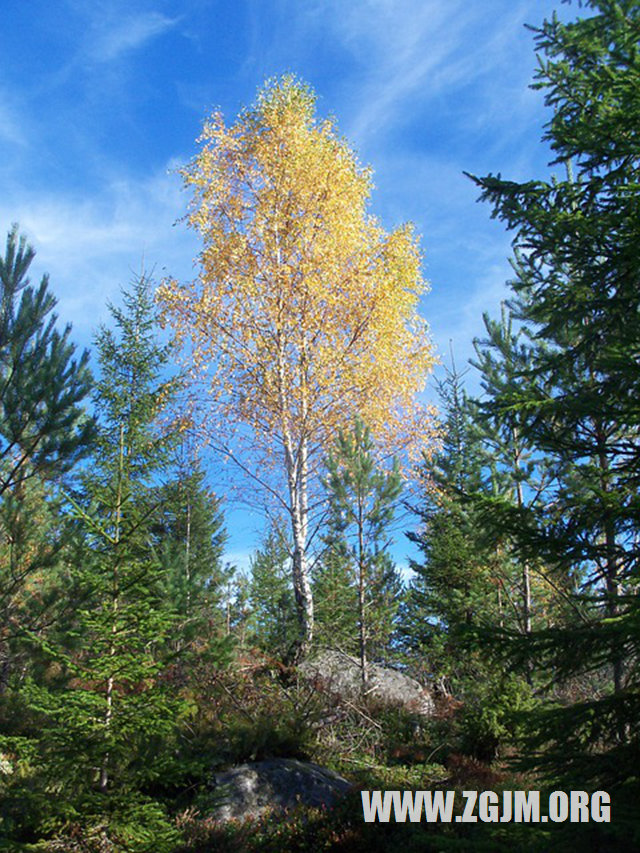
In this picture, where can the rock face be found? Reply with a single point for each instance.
(280, 783)
(339, 675)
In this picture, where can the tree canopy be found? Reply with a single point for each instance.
(304, 311)
(576, 285)
(44, 428)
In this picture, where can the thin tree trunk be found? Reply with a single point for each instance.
(611, 570)
(364, 664)
(362, 587)
(526, 575)
(187, 558)
(299, 512)
(115, 606)
(296, 466)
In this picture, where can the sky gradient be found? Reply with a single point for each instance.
(101, 101)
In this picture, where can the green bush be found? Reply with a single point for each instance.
(132, 825)
(489, 719)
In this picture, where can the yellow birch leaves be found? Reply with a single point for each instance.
(305, 311)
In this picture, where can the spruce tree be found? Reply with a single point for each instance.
(504, 359)
(129, 614)
(576, 285)
(189, 536)
(460, 582)
(467, 584)
(111, 711)
(271, 598)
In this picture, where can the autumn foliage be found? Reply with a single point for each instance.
(304, 312)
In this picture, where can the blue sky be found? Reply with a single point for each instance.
(101, 99)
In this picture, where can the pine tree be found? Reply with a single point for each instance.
(577, 274)
(335, 593)
(385, 597)
(33, 534)
(44, 432)
(44, 429)
(362, 502)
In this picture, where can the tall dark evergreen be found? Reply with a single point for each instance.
(109, 715)
(504, 359)
(127, 616)
(577, 287)
(460, 581)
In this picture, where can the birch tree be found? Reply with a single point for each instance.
(304, 312)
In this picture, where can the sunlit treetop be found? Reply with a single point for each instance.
(304, 312)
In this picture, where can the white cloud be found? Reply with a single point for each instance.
(11, 128)
(401, 56)
(93, 246)
(125, 34)
(404, 47)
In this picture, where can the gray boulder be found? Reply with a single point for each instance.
(340, 675)
(278, 783)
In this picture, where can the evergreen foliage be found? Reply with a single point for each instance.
(189, 538)
(524, 476)
(127, 620)
(106, 705)
(33, 552)
(335, 593)
(43, 425)
(469, 581)
(363, 499)
(455, 585)
(576, 285)
(271, 599)
(44, 432)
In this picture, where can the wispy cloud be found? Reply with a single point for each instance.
(127, 33)
(398, 58)
(91, 246)
(418, 53)
(11, 128)
(403, 47)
